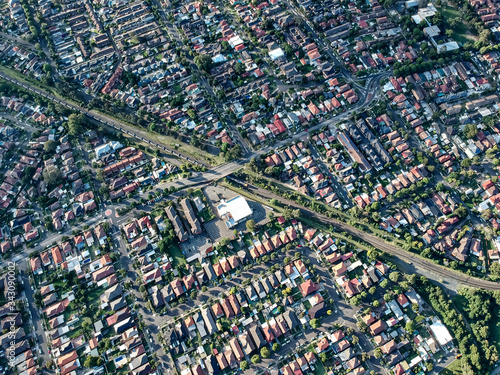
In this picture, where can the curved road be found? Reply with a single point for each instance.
(385, 246)
(227, 168)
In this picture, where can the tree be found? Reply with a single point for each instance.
(52, 175)
(47, 68)
(289, 213)
(250, 224)
(387, 297)
(361, 325)
(315, 323)
(430, 366)
(495, 269)
(323, 357)
(233, 153)
(50, 146)
(373, 254)
(255, 359)
(225, 46)
(203, 62)
(49, 364)
(75, 123)
(461, 211)
(244, 365)
(394, 276)
(224, 241)
(377, 353)
(90, 362)
(466, 163)
(405, 285)
(354, 340)
(265, 352)
(239, 68)
(486, 214)
(410, 326)
(276, 347)
(411, 278)
(470, 130)
(415, 307)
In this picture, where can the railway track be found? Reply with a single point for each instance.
(377, 242)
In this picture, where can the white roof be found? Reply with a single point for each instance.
(235, 41)
(441, 333)
(236, 209)
(276, 53)
(219, 58)
(450, 46)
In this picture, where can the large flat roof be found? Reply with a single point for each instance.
(441, 333)
(234, 210)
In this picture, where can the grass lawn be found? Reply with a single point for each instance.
(25, 79)
(206, 215)
(461, 32)
(307, 305)
(175, 252)
(177, 88)
(319, 368)
(455, 368)
(94, 295)
(110, 366)
(75, 333)
(185, 148)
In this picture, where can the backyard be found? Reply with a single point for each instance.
(455, 368)
(461, 31)
(175, 252)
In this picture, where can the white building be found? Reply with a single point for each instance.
(441, 333)
(234, 211)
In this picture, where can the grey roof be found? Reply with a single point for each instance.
(181, 330)
(251, 292)
(267, 285)
(209, 320)
(246, 342)
(176, 223)
(280, 275)
(168, 293)
(200, 324)
(117, 304)
(317, 310)
(291, 319)
(190, 216)
(111, 293)
(139, 361)
(258, 288)
(273, 280)
(209, 270)
(240, 296)
(212, 367)
(257, 336)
